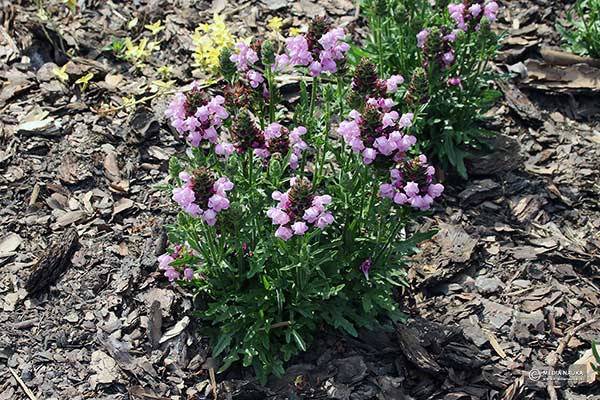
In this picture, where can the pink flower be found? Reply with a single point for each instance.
(273, 131)
(210, 217)
(255, 78)
(164, 261)
(281, 61)
(386, 190)
(385, 146)
(475, 10)
(411, 189)
(315, 68)
(366, 266)
(320, 201)
(172, 274)
(283, 233)
(324, 219)
(392, 83)
(244, 57)
(188, 274)
(422, 37)
(297, 48)
(278, 216)
(406, 120)
(311, 214)
(448, 58)
(454, 81)
(299, 228)
(490, 10)
(218, 202)
(183, 196)
(389, 119)
(224, 149)
(369, 155)
(435, 190)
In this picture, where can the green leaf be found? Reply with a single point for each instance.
(298, 339)
(223, 342)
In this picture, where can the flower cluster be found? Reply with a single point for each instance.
(412, 184)
(377, 132)
(469, 13)
(201, 194)
(322, 49)
(247, 136)
(280, 140)
(366, 85)
(195, 116)
(173, 272)
(248, 64)
(209, 40)
(298, 208)
(436, 45)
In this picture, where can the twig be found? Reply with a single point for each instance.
(27, 391)
(557, 354)
(283, 324)
(213, 381)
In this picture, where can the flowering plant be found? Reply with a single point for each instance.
(290, 219)
(443, 50)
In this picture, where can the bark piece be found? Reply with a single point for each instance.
(415, 353)
(53, 264)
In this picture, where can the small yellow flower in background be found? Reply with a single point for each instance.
(61, 73)
(294, 31)
(155, 28)
(209, 40)
(84, 81)
(275, 24)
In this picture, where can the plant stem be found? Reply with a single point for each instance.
(379, 44)
(313, 96)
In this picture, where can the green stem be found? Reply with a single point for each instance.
(379, 44)
(313, 96)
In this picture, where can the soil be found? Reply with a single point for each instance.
(509, 285)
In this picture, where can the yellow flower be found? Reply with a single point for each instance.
(275, 24)
(155, 28)
(209, 40)
(294, 31)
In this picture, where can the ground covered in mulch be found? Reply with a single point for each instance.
(508, 285)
